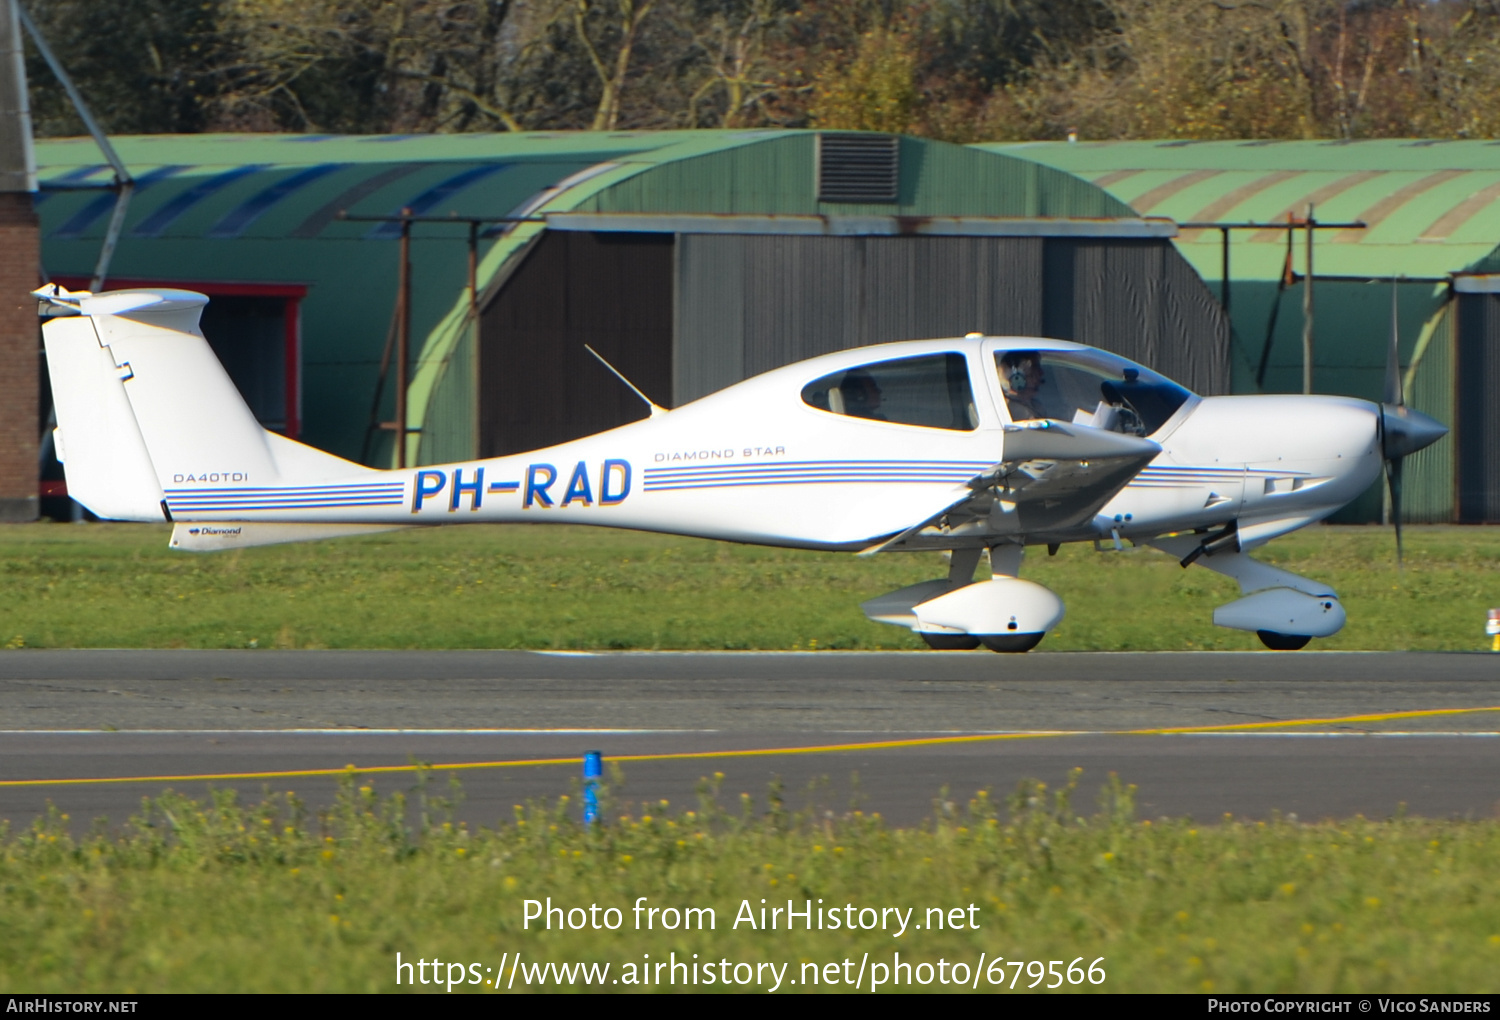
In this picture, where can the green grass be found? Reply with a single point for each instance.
(117, 585)
(215, 897)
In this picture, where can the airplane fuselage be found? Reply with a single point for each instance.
(755, 463)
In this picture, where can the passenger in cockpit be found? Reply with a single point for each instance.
(861, 395)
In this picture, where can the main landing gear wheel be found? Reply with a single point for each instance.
(1282, 642)
(951, 642)
(1012, 642)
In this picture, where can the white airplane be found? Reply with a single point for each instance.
(972, 445)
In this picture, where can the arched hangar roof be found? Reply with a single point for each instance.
(227, 187)
(1432, 207)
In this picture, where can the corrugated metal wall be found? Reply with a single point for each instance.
(1427, 482)
(1477, 430)
(747, 304)
(538, 386)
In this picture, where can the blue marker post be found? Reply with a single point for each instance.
(593, 768)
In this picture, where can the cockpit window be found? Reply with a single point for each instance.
(932, 390)
(1089, 388)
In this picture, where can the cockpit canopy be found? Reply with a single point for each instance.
(1074, 384)
(1089, 387)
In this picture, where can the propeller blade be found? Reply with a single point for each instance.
(1393, 481)
(1393, 358)
(1403, 431)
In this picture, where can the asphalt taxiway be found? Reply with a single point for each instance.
(1312, 734)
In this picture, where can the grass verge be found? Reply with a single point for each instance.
(118, 585)
(219, 897)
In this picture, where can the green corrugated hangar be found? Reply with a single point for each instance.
(1431, 211)
(690, 260)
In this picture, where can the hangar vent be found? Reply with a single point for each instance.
(858, 168)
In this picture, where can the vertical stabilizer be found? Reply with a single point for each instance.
(192, 418)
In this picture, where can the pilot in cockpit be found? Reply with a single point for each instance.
(1021, 381)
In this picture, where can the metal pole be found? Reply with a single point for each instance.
(403, 336)
(17, 158)
(124, 183)
(123, 190)
(474, 336)
(473, 267)
(1307, 308)
(79, 106)
(1224, 285)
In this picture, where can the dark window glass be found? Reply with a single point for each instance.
(932, 390)
(1087, 387)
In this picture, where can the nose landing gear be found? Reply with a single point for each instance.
(1284, 610)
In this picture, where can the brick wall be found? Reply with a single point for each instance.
(19, 343)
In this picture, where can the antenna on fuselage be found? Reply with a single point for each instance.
(656, 409)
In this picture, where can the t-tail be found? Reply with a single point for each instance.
(148, 420)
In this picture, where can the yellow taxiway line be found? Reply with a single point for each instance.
(762, 752)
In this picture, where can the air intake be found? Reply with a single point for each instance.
(858, 168)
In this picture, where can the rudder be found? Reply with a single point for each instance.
(97, 439)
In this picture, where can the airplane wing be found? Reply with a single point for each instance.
(1053, 480)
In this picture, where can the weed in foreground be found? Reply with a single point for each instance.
(216, 895)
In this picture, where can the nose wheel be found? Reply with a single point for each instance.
(1282, 642)
(1012, 642)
